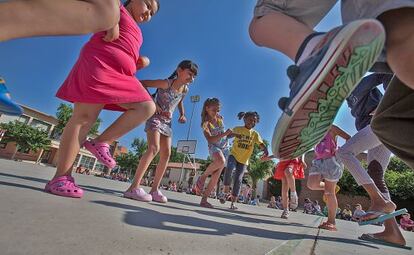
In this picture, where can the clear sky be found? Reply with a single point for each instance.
(212, 33)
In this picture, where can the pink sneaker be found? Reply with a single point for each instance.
(138, 194)
(101, 152)
(157, 196)
(64, 186)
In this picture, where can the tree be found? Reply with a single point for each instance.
(176, 156)
(139, 146)
(63, 114)
(25, 136)
(396, 164)
(127, 162)
(259, 170)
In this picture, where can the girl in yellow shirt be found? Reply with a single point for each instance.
(245, 139)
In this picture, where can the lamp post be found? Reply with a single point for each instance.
(194, 100)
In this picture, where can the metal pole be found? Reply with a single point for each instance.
(191, 120)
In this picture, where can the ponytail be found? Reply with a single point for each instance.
(244, 115)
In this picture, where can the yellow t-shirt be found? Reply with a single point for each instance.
(243, 147)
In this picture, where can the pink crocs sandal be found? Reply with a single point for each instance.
(101, 152)
(157, 196)
(64, 186)
(138, 194)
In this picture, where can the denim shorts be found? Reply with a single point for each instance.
(311, 14)
(330, 169)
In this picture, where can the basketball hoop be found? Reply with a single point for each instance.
(186, 146)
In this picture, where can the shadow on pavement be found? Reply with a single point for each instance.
(147, 218)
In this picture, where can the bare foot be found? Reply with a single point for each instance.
(391, 237)
(387, 207)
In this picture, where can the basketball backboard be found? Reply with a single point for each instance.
(186, 146)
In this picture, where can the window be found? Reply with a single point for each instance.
(40, 125)
(100, 167)
(87, 162)
(7, 119)
(75, 163)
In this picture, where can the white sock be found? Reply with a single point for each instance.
(293, 194)
(310, 45)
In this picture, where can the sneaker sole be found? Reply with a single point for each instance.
(351, 54)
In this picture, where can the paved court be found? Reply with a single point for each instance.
(35, 222)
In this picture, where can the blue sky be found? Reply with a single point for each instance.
(213, 33)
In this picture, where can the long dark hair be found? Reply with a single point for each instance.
(244, 115)
(207, 103)
(185, 64)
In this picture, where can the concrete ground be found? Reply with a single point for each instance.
(103, 222)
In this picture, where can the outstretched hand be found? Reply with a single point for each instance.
(142, 62)
(182, 119)
(112, 34)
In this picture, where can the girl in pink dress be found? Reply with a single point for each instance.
(104, 78)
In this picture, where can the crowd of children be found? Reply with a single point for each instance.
(328, 68)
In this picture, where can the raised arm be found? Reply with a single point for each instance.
(182, 118)
(160, 84)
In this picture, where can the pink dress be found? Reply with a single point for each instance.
(105, 71)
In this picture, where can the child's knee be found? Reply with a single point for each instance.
(83, 119)
(153, 149)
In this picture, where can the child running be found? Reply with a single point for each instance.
(245, 140)
(218, 147)
(170, 94)
(103, 78)
(363, 102)
(288, 171)
(326, 167)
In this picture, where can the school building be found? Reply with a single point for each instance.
(49, 156)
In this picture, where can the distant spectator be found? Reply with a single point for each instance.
(317, 208)
(406, 223)
(347, 213)
(338, 213)
(255, 201)
(272, 202)
(279, 203)
(308, 206)
(358, 213)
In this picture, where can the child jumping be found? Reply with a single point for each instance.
(326, 171)
(218, 147)
(329, 65)
(363, 102)
(103, 78)
(169, 95)
(245, 139)
(288, 171)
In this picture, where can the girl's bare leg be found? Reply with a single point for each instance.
(74, 134)
(153, 140)
(165, 152)
(136, 114)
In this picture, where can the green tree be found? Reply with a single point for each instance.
(396, 164)
(176, 156)
(139, 146)
(63, 114)
(259, 170)
(25, 136)
(127, 162)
